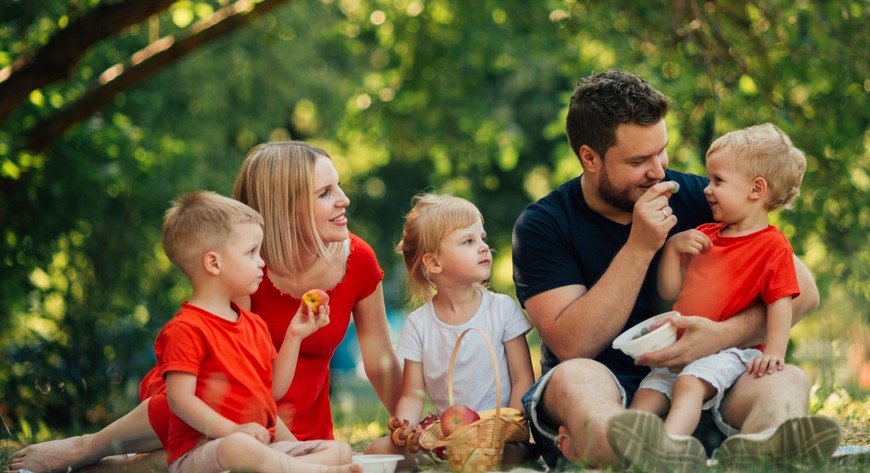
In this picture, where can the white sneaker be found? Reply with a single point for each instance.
(809, 440)
(639, 438)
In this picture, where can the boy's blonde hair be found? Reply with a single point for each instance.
(198, 222)
(277, 180)
(431, 218)
(766, 151)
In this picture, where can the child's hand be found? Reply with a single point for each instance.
(690, 242)
(401, 431)
(254, 430)
(304, 323)
(765, 364)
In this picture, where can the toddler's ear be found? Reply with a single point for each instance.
(211, 261)
(430, 262)
(759, 188)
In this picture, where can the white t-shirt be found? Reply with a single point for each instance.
(428, 340)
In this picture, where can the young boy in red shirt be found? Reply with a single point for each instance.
(217, 359)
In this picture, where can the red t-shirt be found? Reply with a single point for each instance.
(305, 408)
(232, 362)
(736, 273)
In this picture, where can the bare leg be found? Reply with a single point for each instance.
(650, 400)
(241, 452)
(151, 462)
(330, 452)
(581, 397)
(129, 434)
(756, 404)
(689, 395)
(771, 412)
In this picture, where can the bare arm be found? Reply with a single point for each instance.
(671, 272)
(379, 360)
(282, 432)
(181, 395)
(576, 321)
(302, 325)
(410, 405)
(778, 325)
(520, 368)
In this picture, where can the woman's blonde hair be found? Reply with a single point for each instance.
(199, 222)
(277, 180)
(432, 217)
(766, 151)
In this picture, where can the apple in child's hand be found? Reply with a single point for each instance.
(314, 299)
(455, 417)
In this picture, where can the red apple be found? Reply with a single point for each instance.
(314, 299)
(455, 417)
(440, 452)
(428, 420)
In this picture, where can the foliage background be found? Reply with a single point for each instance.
(466, 96)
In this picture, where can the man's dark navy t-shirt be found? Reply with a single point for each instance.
(559, 241)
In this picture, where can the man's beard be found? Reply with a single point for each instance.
(618, 198)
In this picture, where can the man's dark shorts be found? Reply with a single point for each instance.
(709, 432)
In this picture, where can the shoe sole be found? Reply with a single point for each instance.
(640, 439)
(808, 440)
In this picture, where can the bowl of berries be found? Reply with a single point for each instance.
(652, 334)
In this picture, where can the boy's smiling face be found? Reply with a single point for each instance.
(729, 190)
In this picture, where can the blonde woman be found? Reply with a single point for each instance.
(306, 245)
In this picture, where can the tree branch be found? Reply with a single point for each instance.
(59, 57)
(142, 65)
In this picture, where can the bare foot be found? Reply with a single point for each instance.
(51, 456)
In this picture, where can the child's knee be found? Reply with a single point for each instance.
(338, 449)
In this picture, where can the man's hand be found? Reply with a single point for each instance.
(699, 339)
(652, 218)
(690, 242)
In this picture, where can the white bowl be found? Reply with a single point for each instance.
(377, 463)
(634, 346)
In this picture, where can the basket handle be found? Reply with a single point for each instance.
(497, 419)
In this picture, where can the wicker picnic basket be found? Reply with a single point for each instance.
(476, 447)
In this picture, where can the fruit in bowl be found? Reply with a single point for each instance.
(315, 299)
(455, 417)
(650, 335)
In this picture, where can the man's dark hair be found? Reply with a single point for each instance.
(605, 100)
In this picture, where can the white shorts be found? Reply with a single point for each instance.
(720, 369)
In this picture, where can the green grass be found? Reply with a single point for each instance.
(359, 418)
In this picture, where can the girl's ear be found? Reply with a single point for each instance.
(430, 262)
(589, 159)
(759, 188)
(211, 261)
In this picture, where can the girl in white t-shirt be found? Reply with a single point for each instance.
(448, 259)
